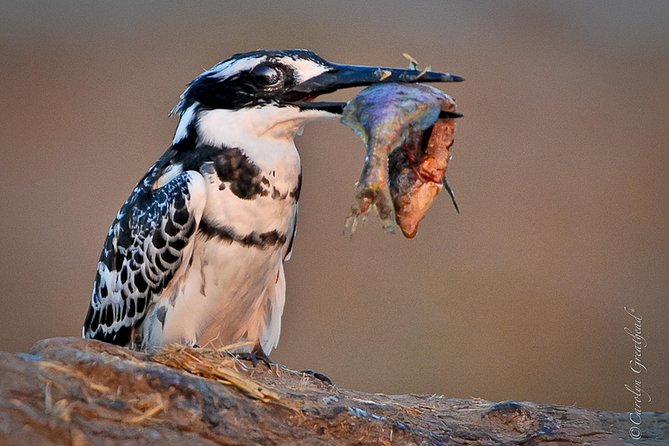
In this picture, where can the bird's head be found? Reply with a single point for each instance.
(270, 94)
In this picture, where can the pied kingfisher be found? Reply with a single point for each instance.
(195, 255)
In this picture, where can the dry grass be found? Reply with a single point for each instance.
(217, 365)
(145, 409)
(210, 363)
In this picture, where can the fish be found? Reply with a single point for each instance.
(408, 130)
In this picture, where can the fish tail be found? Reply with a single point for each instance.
(449, 189)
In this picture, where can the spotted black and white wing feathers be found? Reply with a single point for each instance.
(150, 239)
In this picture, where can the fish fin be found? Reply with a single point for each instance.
(450, 115)
(450, 193)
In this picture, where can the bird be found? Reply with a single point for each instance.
(195, 255)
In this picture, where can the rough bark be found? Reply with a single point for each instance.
(71, 391)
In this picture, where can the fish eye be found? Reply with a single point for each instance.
(266, 75)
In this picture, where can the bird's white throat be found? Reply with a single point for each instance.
(247, 127)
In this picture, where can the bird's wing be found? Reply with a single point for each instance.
(150, 238)
(265, 325)
(296, 195)
(271, 331)
(289, 250)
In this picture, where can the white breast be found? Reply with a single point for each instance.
(231, 290)
(217, 300)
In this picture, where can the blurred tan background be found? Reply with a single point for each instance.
(560, 168)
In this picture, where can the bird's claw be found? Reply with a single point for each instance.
(254, 355)
(319, 376)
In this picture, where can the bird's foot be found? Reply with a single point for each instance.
(254, 355)
(319, 376)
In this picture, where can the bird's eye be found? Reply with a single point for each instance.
(266, 75)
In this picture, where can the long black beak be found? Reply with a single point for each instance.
(347, 76)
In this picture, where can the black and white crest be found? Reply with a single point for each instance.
(253, 79)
